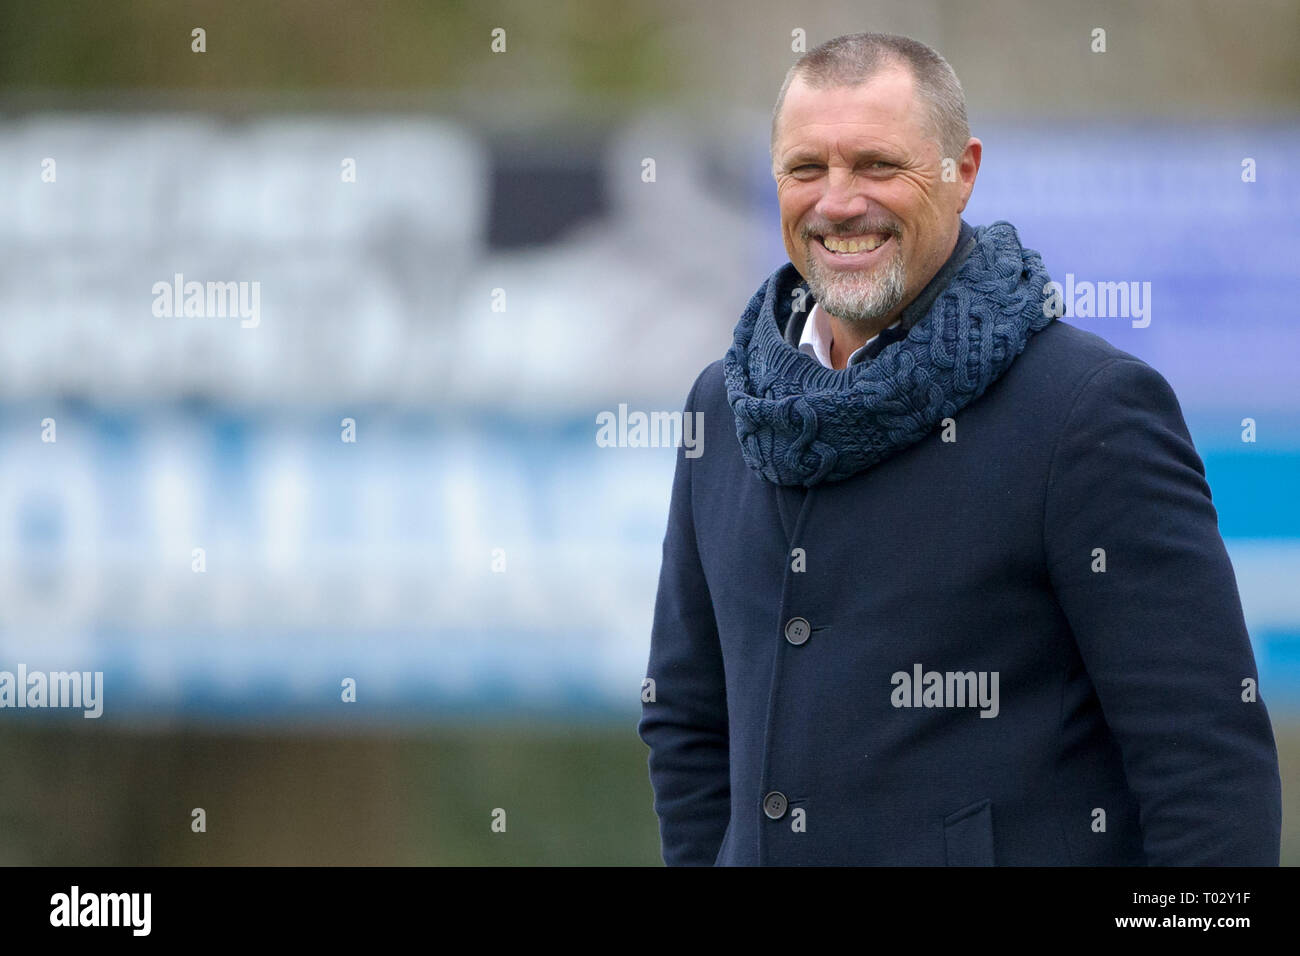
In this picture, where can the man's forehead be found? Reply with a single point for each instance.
(884, 103)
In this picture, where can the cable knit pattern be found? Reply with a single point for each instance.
(800, 423)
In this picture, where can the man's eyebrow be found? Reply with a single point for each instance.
(869, 154)
(802, 156)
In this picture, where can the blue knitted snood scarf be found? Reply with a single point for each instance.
(800, 423)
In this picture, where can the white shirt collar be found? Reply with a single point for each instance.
(817, 337)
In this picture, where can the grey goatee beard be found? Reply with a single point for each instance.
(858, 297)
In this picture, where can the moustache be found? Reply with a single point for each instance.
(838, 232)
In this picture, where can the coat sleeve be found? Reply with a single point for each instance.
(1161, 630)
(685, 726)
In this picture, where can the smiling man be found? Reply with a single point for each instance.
(947, 587)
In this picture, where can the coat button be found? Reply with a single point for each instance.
(797, 630)
(774, 805)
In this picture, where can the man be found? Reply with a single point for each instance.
(956, 595)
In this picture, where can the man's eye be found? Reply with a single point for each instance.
(882, 164)
(804, 168)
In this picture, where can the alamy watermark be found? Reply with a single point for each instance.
(76, 908)
(209, 300)
(651, 430)
(38, 689)
(946, 689)
(1101, 300)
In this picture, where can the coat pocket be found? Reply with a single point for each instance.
(968, 835)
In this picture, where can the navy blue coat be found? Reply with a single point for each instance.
(1121, 734)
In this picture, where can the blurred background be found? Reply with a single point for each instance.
(458, 264)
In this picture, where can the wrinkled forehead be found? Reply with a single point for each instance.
(883, 107)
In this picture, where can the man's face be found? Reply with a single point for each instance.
(865, 214)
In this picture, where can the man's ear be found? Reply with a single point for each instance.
(967, 169)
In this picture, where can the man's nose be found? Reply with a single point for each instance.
(843, 197)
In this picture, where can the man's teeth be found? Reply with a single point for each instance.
(853, 244)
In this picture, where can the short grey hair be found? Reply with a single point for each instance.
(857, 57)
